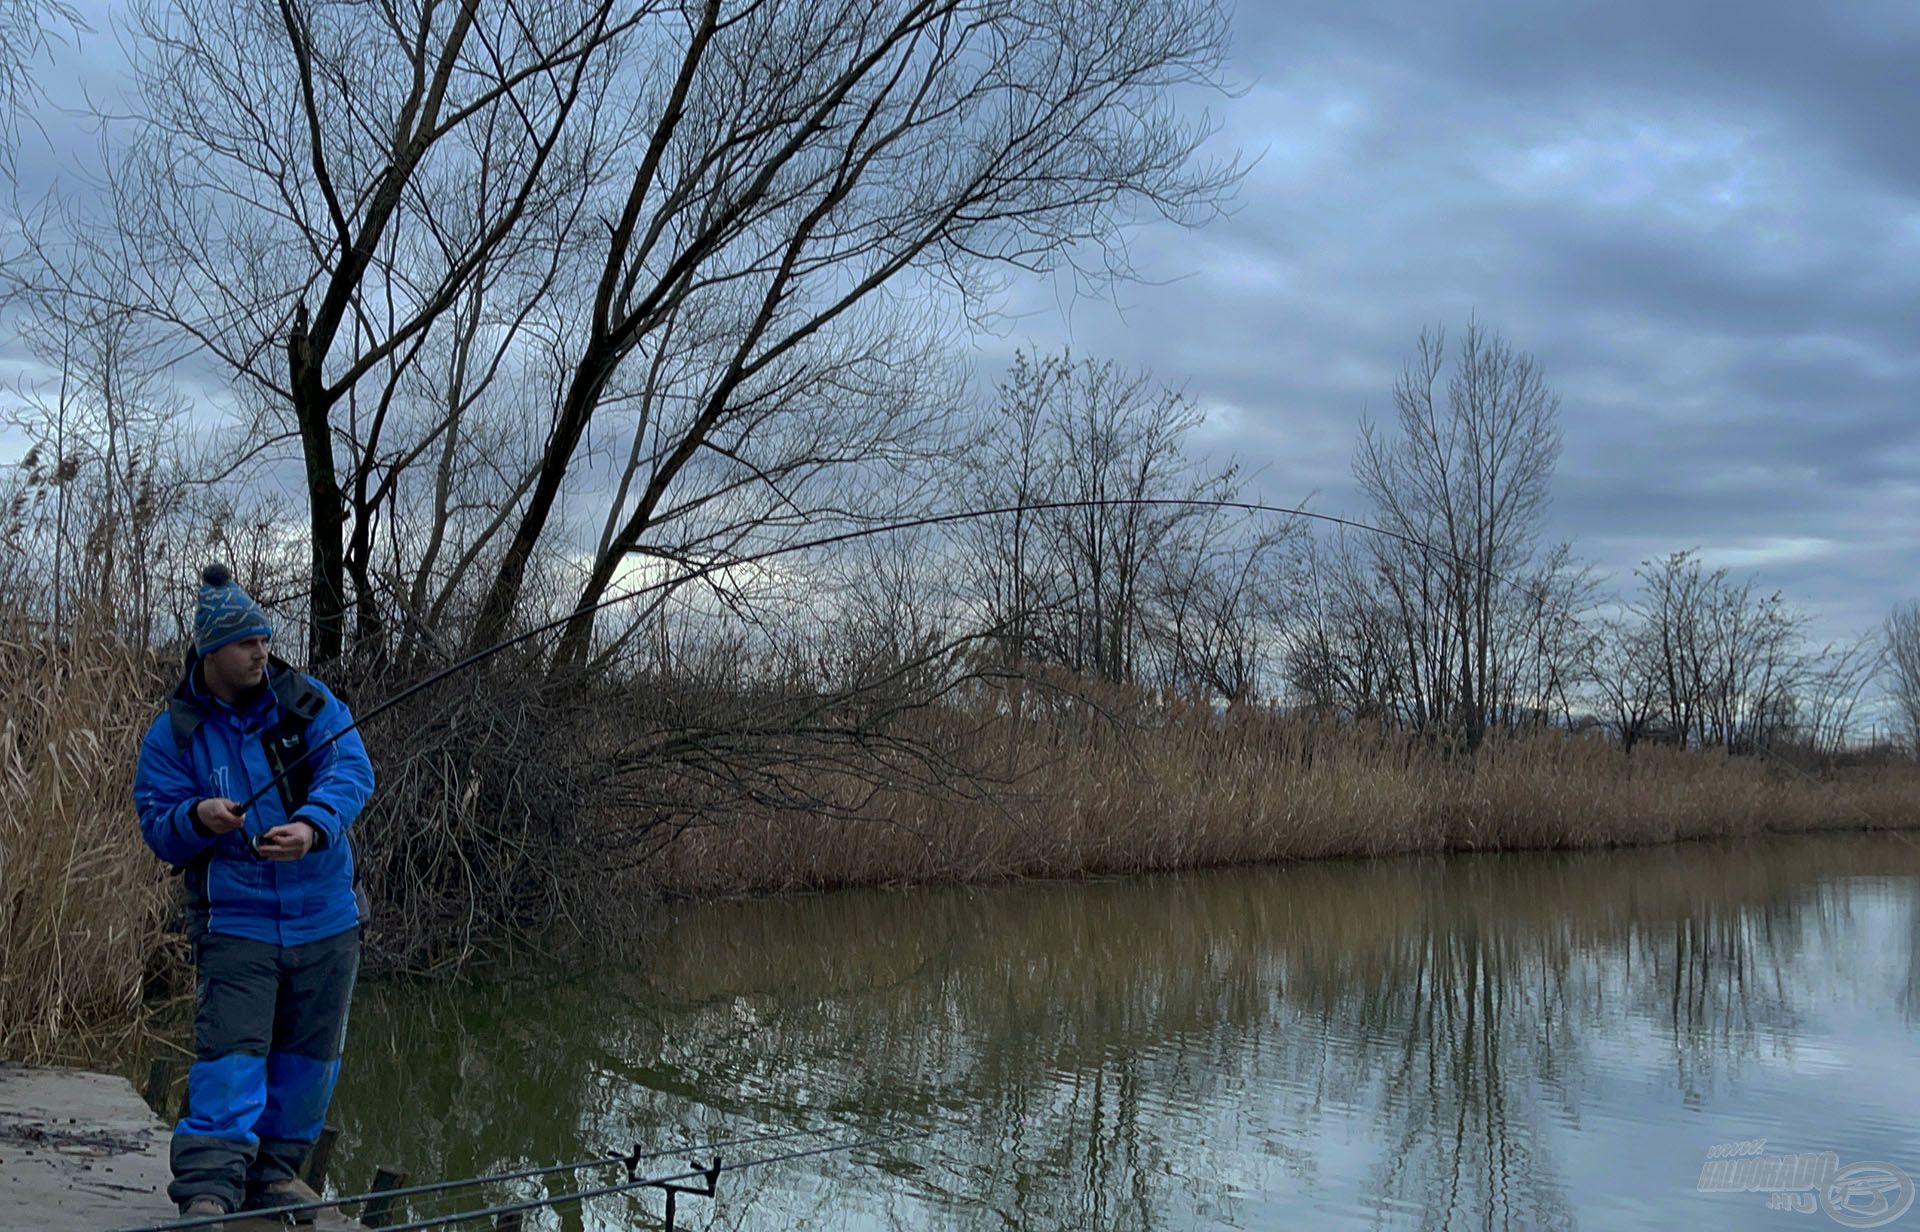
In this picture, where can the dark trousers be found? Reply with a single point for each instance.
(269, 1023)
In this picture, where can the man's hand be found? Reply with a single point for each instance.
(219, 816)
(289, 841)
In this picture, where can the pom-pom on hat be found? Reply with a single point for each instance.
(225, 613)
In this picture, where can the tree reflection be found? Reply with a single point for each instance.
(1388, 1042)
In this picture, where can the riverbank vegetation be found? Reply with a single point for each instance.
(1104, 677)
(517, 829)
(81, 902)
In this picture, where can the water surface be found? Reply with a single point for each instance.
(1462, 1042)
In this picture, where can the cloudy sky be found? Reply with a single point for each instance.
(1703, 218)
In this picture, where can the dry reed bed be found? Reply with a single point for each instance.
(1074, 792)
(1195, 790)
(81, 898)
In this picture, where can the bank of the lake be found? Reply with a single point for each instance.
(1009, 787)
(1137, 784)
(1530, 1040)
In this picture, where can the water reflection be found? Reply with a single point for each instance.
(1532, 1041)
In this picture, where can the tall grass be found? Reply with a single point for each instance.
(82, 900)
(1130, 785)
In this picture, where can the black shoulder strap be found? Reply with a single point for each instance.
(300, 702)
(182, 715)
(185, 719)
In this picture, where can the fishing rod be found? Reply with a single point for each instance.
(673, 1184)
(630, 1160)
(837, 538)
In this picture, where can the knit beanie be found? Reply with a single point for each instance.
(225, 613)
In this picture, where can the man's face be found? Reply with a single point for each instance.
(237, 666)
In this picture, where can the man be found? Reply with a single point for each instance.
(272, 910)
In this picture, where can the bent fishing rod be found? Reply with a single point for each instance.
(848, 536)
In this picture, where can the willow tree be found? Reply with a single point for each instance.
(732, 235)
(304, 191)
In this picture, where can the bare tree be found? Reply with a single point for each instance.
(727, 223)
(111, 505)
(309, 188)
(1902, 640)
(1114, 557)
(811, 162)
(1006, 556)
(1217, 596)
(1342, 636)
(1462, 485)
(1117, 442)
(29, 29)
(1730, 662)
(1624, 669)
(1674, 603)
(847, 431)
(1834, 681)
(1758, 667)
(1537, 669)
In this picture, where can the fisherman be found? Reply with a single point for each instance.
(272, 909)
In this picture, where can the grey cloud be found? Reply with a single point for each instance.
(1704, 219)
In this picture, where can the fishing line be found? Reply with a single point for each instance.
(858, 533)
(848, 536)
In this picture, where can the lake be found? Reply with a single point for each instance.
(1600, 1039)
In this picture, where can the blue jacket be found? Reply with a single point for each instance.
(229, 889)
